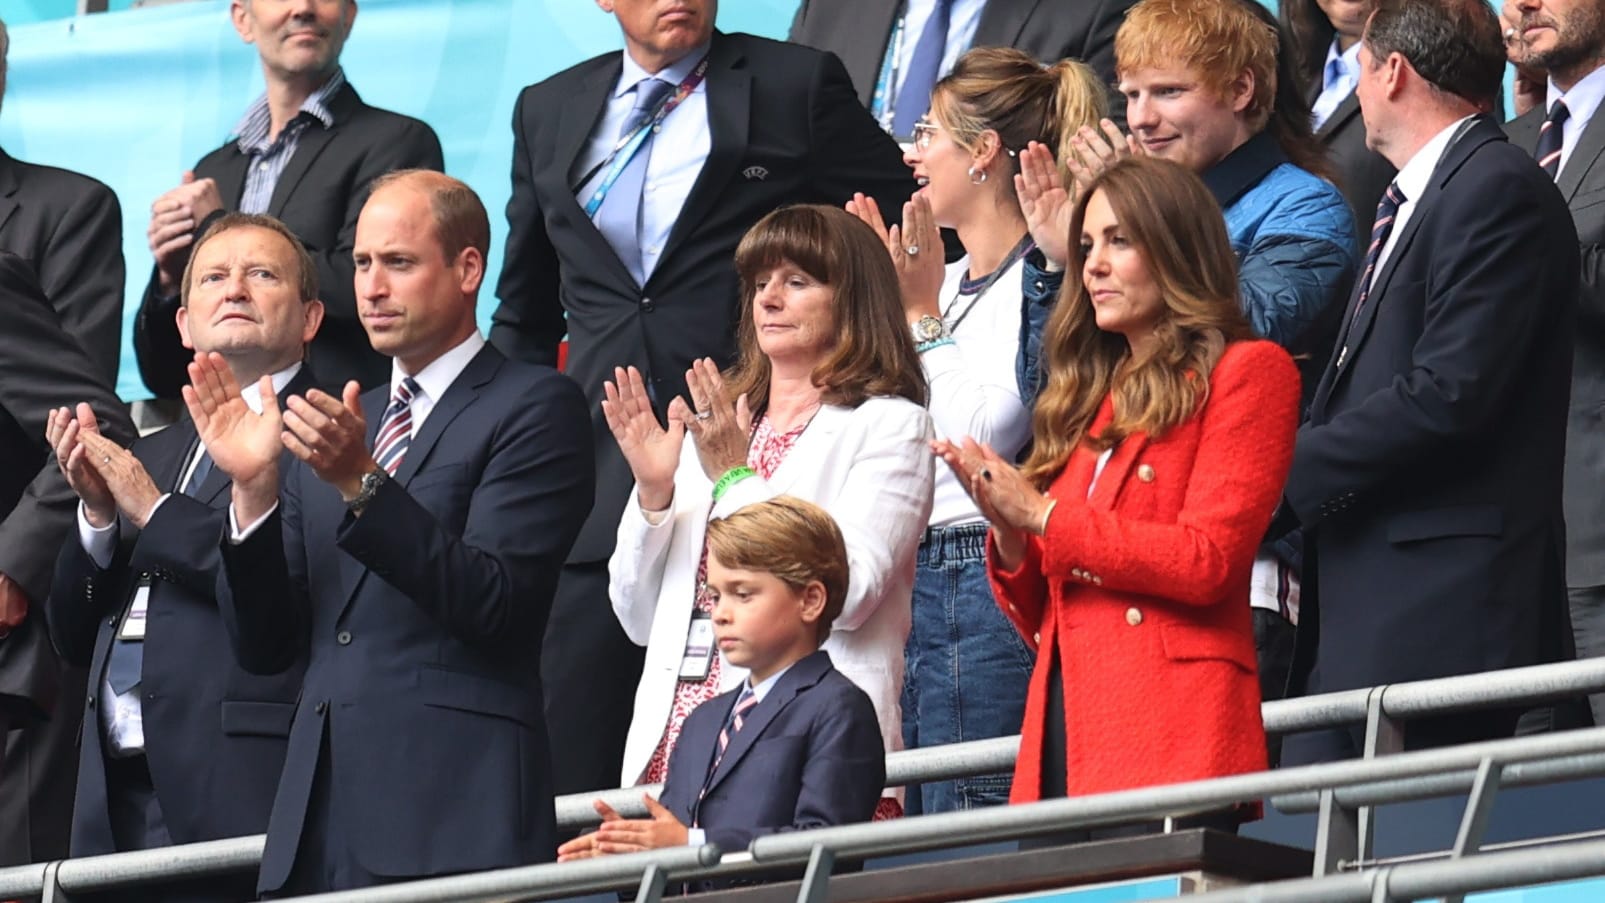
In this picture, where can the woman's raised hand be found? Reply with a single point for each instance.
(916, 250)
(652, 452)
(1046, 203)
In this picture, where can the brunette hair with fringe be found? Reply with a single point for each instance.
(795, 540)
(1172, 220)
(873, 354)
(1007, 91)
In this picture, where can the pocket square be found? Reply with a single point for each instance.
(755, 173)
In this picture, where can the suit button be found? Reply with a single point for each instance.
(1145, 473)
(1077, 573)
(1134, 616)
(647, 305)
(112, 620)
(91, 701)
(343, 638)
(1097, 581)
(321, 707)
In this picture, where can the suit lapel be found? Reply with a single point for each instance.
(314, 138)
(812, 447)
(463, 391)
(729, 87)
(9, 183)
(1002, 22)
(1348, 109)
(800, 677)
(576, 121)
(1107, 489)
(1584, 156)
(230, 176)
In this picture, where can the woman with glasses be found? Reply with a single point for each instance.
(978, 326)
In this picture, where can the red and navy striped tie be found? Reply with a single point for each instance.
(395, 429)
(1551, 135)
(1387, 211)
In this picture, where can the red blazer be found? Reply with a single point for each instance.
(1143, 590)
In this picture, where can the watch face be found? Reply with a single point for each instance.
(927, 329)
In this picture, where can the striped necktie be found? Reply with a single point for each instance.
(738, 715)
(1551, 135)
(1387, 210)
(395, 429)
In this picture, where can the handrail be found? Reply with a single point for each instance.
(1507, 687)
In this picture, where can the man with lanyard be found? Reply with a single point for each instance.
(635, 176)
(305, 153)
(896, 50)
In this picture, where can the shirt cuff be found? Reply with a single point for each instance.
(655, 518)
(695, 837)
(99, 543)
(237, 535)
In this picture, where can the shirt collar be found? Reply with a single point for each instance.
(1583, 99)
(434, 379)
(251, 132)
(1417, 172)
(762, 688)
(1243, 168)
(1349, 60)
(253, 399)
(674, 74)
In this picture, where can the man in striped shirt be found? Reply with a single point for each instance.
(304, 152)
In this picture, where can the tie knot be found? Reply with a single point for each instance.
(1558, 113)
(649, 92)
(405, 391)
(1395, 196)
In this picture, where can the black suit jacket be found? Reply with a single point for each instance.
(423, 620)
(1050, 30)
(318, 196)
(69, 228)
(1362, 174)
(214, 733)
(785, 130)
(808, 756)
(1582, 183)
(43, 367)
(1429, 474)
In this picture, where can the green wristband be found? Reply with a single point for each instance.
(731, 477)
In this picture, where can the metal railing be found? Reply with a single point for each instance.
(1341, 791)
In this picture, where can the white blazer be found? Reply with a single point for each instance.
(871, 468)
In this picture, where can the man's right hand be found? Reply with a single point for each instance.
(243, 444)
(63, 431)
(173, 219)
(13, 606)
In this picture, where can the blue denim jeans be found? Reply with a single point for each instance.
(967, 667)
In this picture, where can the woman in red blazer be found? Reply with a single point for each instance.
(1122, 548)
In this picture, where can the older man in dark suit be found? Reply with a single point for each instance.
(1428, 478)
(631, 253)
(895, 50)
(1566, 135)
(44, 366)
(411, 553)
(304, 152)
(179, 744)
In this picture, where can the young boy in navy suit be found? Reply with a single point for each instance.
(797, 745)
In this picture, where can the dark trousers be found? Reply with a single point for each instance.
(1054, 755)
(1273, 647)
(38, 756)
(1337, 744)
(590, 670)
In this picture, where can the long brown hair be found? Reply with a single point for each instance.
(1172, 220)
(1009, 92)
(873, 354)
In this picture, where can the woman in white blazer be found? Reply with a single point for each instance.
(827, 404)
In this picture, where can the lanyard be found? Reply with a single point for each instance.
(880, 105)
(1020, 250)
(629, 145)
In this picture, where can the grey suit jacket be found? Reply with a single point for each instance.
(69, 228)
(1050, 30)
(1582, 183)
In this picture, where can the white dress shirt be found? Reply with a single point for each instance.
(676, 152)
(1581, 102)
(122, 716)
(1339, 77)
(1413, 179)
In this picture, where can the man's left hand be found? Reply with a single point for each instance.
(331, 436)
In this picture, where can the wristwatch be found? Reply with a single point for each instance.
(929, 329)
(369, 488)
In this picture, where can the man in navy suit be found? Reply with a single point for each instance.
(797, 745)
(647, 278)
(411, 551)
(1428, 477)
(179, 744)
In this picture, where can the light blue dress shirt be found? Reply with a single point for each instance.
(1339, 77)
(961, 25)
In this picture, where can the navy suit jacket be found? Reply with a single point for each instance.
(809, 755)
(422, 620)
(214, 733)
(1428, 476)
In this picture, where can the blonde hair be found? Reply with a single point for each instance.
(1172, 220)
(793, 539)
(1007, 91)
(1218, 39)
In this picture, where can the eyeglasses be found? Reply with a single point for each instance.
(924, 131)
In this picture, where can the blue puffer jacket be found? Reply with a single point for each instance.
(1294, 238)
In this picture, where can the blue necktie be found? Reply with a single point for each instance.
(619, 217)
(914, 94)
(203, 466)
